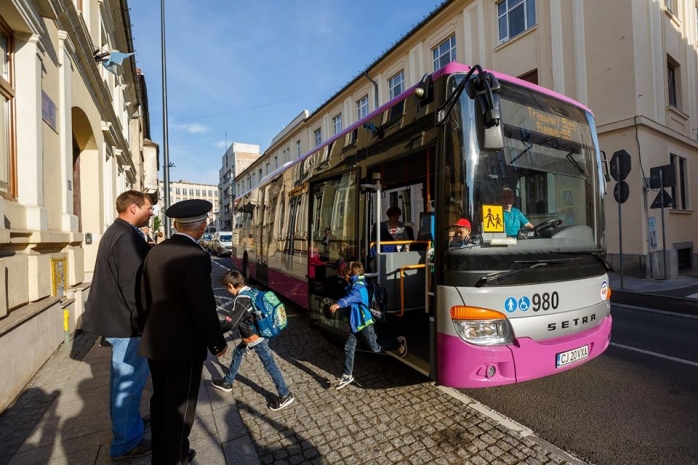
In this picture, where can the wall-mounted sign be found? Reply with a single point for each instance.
(48, 111)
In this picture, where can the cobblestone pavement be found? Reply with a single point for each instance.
(391, 414)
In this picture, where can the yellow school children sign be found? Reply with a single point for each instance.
(492, 218)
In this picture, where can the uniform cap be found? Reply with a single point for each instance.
(462, 223)
(189, 211)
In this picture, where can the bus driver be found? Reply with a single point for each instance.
(514, 220)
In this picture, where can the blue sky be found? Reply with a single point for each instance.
(249, 67)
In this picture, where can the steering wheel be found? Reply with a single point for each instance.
(546, 226)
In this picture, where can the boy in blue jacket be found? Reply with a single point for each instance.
(360, 321)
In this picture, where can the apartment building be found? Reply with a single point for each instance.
(184, 190)
(633, 62)
(73, 135)
(236, 159)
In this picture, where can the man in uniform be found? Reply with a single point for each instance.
(181, 322)
(112, 311)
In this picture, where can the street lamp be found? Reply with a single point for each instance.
(165, 146)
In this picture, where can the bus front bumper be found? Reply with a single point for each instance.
(463, 365)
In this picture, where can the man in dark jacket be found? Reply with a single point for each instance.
(181, 323)
(112, 311)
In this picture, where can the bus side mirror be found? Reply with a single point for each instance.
(483, 89)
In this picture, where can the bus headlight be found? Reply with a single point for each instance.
(481, 326)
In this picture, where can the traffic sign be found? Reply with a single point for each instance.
(621, 191)
(663, 200)
(620, 165)
(666, 172)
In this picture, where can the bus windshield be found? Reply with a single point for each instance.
(539, 200)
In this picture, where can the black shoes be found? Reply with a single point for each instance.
(222, 385)
(141, 450)
(282, 402)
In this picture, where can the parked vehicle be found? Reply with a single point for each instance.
(205, 241)
(222, 243)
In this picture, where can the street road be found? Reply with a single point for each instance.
(635, 404)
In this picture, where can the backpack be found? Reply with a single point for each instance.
(377, 301)
(270, 316)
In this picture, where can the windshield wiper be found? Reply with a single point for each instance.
(502, 275)
(606, 264)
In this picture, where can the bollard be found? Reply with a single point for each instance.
(66, 325)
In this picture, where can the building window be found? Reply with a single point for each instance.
(515, 16)
(337, 123)
(298, 149)
(672, 7)
(261, 175)
(531, 77)
(191, 192)
(672, 70)
(679, 192)
(396, 84)
(362, 107)
(276, 161)
(7, 93)
(444, 53)
(318, 136)
(268, 168)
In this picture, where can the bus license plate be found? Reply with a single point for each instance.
(571, 356)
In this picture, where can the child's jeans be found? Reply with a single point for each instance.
(264, 354)
(369, 335)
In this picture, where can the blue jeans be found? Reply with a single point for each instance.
(127, 378)
(369, 335)
(264, 354)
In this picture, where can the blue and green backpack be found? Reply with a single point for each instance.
(270, 316)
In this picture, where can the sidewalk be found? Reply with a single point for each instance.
(391, 414)
(676, 295)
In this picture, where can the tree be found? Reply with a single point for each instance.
(156, 223)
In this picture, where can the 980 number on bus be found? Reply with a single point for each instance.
(545, 301)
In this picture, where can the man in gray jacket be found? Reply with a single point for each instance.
(112, 311)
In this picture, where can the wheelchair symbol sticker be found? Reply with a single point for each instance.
(524, 303)
(510, 305)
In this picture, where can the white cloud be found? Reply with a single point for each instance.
(193, 128)
(221, 144)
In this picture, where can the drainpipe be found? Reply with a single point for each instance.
(375, 85)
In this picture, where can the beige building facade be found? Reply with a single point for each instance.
(184, 190)
(236, 159)
(633, 62)
(72, 137)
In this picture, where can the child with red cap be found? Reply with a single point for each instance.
(462, 233)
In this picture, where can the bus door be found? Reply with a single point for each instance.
(332, 243)
(400, 266)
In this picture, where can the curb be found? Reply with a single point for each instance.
(681, 305)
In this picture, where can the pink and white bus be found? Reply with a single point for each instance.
(526, 295)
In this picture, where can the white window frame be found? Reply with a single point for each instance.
(298, 149)
(318, 137)
(362, 107)
(679, 193)
(396, 84)
(444, 53)
(511, 6)
(337, 123)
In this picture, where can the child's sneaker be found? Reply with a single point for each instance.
(221, 384)
(346, 380)
(402, 350)
(282, 402)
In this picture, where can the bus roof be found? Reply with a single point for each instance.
(451, 68)
(454, 68)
